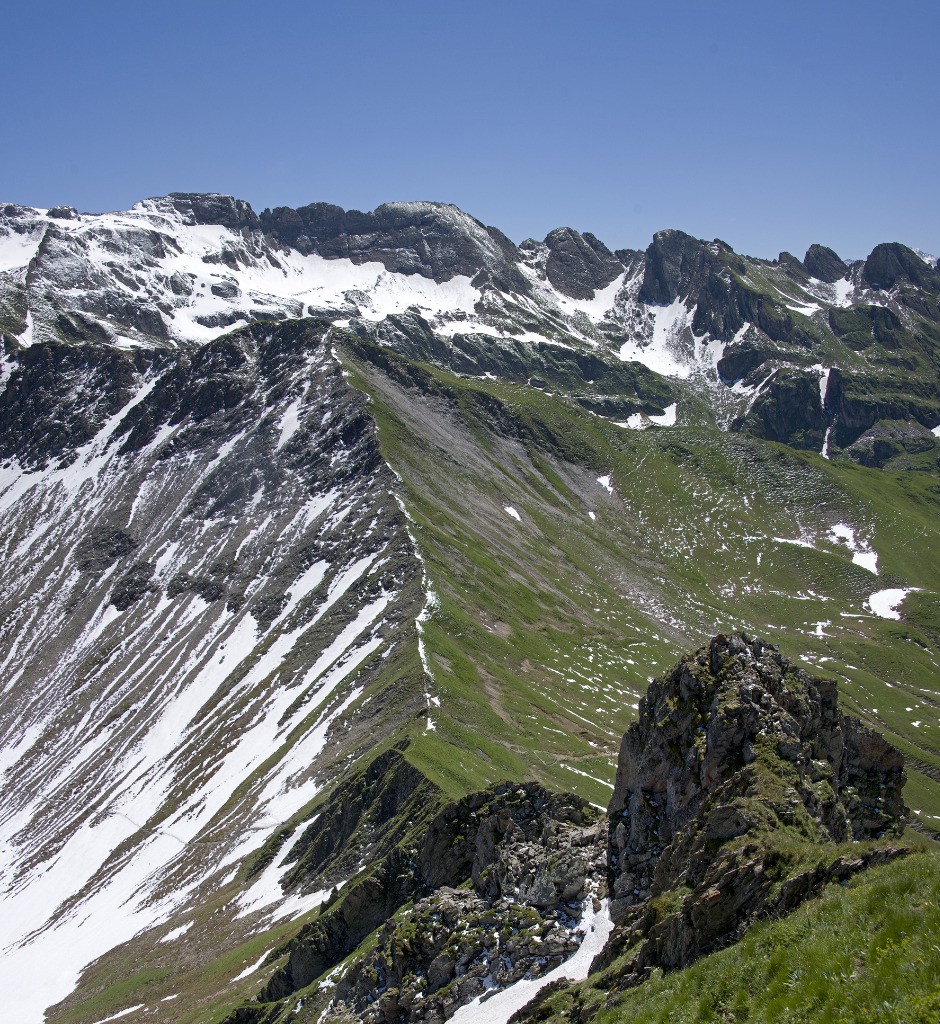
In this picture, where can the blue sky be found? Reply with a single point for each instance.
(770, 125)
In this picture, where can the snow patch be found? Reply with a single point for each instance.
(121, 1013)
(668, 418)
(250, 970)
(510, 511)
(885, 603)
(497, 1009)
(177, 932)
(862, 552)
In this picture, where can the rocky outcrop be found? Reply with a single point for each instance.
(95, 381)
(363, 819)
(789, 410)
(741, 792)
(579, 265)
(891, 263)
(737, 740)
(497, 883)
(736, 791)
(212, 208)
(435, 240)
(824, 264)
(675, 266)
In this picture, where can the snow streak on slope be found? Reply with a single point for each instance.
(190, 621)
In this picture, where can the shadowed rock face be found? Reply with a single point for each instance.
(676, 265)
(892, 263)
(435, 240)
(738, 741)
(824, 264)
(578, 265)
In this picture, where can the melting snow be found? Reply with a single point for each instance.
(289, 423)
(668, 418)
(177, 932)
(862, 553)
(885, 603)
(604, 481)
(121, 1013)
(250, 970)
(663, 352)
(17, 250)
(512, 512)
(497, 1009)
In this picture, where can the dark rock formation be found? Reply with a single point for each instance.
(892, 263)
(94, 380)
(523, 858)
(824, 264)
(737, 790)
(737, 740)
(226, 211)
(435, 240)
(675, 265)
(789, 410)
(578, 265)
(363, 819)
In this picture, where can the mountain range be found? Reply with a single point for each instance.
(340, 548)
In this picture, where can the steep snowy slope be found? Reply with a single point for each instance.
(201, 604)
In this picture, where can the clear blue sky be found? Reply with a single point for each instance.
(771, 125)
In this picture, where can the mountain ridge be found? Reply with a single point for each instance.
(750, 336)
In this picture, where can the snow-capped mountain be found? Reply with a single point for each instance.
(314, 520)
(757, 337)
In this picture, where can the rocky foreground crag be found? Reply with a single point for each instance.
(735, 741)
(741, 791)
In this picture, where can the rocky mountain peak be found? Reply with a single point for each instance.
(824, 264)
(675, 265)
(891, 263)
(435, 240)
(737, 740)
(211, 208)
(578, 265)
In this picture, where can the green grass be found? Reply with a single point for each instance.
(547, 630)
(864, 953)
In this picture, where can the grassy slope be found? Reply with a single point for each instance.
(547, 629)
(864, 953)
